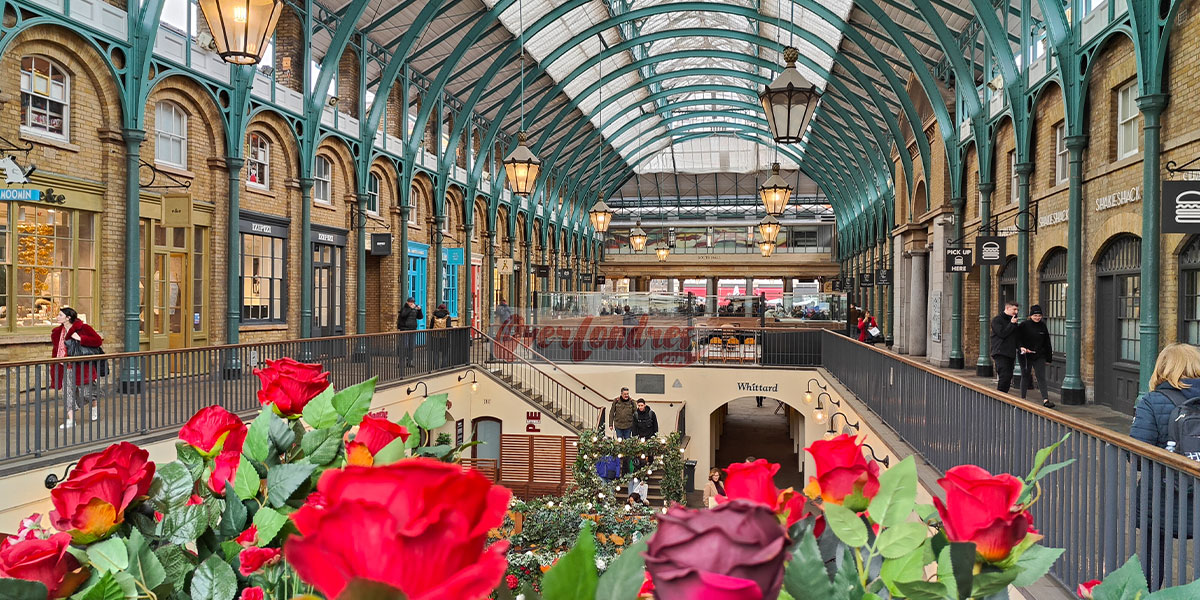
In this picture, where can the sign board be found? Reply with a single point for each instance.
(505, 266)
(848, 283)
(883, 277)
(600, 280)
(990, 250)
(459, 432)
(564, 273)
(533, 421)
(1181, 207)
(541, 270)
(866, 280)
(837, 284)
(381, 244)
(958, 260)
(20, 195)
(177, 210)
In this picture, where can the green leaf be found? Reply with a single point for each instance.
(846, 585)
(414, 431)
(106, 588)
(432, 412)
(20, 589)
(926, 511)
(961, 556)
(284, 480)
(1126, 583)
(1048, 469)
(353, 402)
(185, 523)
(109, 555)
(1040, 458)
(363, 589)
(901, 539)
(897, 494)
(439, 452)
(394, 451)
(910, 567)
(624, 576)
(173, 485)
(319, 413)
(784, 595)
(321, 446)
(214, 580)
(190, 459)
(245, 482)
(258, 438)
(176, 563)
(233, 518)
(922, 590)
(992, 582)
(281, 434)
(143, 564)
(847, 525)
(804, 577)
(1036, 562)
(268, 521)
(1189, 591)
(574, 575)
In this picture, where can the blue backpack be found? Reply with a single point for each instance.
(608, 467)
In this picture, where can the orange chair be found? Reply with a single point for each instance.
(733, 348)
(716, 349)
(749, 350)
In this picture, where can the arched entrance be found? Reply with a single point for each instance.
(1118, 313)
(1007, 280)
(774, 431)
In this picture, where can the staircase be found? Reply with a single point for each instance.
(653, 490)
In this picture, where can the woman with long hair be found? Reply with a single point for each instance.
(77, 380)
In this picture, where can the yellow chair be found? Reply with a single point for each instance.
(716, 349)
(733, 348)
(749, 348)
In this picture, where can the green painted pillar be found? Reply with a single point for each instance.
(1073, 391)
(876, 259)
(403, 251)
(1152, 107)
(957, 360)
(233, 304)
(468, 228)
(983, 365)
(527, 280)
(439, 222)
(1023, 171)
(306, 257)
(131, 373)
(360, 321)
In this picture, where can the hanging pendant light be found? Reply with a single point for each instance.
(775, 192)
(769, 228)
(601, 216)
(241, 28)
(766, 248)
(789, 101)
(663, 252)
(521, 168)
(638, 238)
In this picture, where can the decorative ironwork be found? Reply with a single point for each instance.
(175, 182)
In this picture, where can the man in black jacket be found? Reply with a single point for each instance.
(1004, 345)
(645, 422)
(410, 318)
(1036, 352)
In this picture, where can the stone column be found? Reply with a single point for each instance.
(918, 304)
(1073, 391)
(983, 365)
(1152, 107)
(902, 272)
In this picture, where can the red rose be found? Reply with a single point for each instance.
(418, 525)
(252, 559)
(249, 537)
(1085, 589)
(91, 503)
(843, 473)
(511, 581)
(753, 481)
(647, 590)
(252, 593)
(194, 500)
(795, 507)
(980, 507)
(213, 429)
(46, 561)
(288, 385)
(377, 432)
(225, 466)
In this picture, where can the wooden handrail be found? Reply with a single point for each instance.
(556, 366)
(1150, 451)
(535, 367)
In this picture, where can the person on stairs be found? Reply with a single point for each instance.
(1036, 352)
(620, 415)
(645, 422)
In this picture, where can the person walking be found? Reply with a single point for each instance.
(645, 422)
(1036, 352)
(1161, 418)
(866, 323)
(852, 315)
(409, 320)
(1004, 345)
(629, 323)
(77, 380)
(620, 415)
(441, 319)
(713, 488)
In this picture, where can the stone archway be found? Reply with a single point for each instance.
(740, 429)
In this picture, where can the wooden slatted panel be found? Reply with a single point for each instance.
(490, 467)
(537, 465)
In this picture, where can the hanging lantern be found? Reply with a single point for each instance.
(601, 216)
(775, 192)
(766, 249)
(789, 102)
(521, 168)
(638, 238)
(663, 252)
(769, 228)
(241, 28)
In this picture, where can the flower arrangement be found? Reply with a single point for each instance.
(661, 454)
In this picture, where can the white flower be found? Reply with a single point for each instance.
(600, 564)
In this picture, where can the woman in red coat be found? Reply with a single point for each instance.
(865, 322)
(77, 380)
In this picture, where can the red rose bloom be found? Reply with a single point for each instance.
(91, 503)
(288, 385)
(375, 433)
(843, 472)
(252, 593)
(980, 507)
(213, 429)
(511, 581)
(46, 561)
(249, 537)
(252, 559)
(647, 589)
(753, 481)
(225, 466)
(418, 525)
(1085, 589)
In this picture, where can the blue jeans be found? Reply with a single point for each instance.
(624, 433)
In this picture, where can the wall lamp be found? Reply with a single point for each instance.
(53, 480)
(820, 413)
(832, 432)
(412, 389)
(808, 394)
(887, 460)
(474, 381)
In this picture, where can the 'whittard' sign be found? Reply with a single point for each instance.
(745, 386)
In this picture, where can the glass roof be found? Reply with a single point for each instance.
(627, 96)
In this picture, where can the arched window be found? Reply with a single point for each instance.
(373, 194)
(170, 140)
(45, 96)
(1053, 279)
(1189, 288)
(323, 181)
(258, 161)
(1122, 261)
(1007, 279)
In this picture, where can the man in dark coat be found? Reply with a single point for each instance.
(1036, 352)
(411, 316)
(1004, 345)
(645, 422)
(620, 415)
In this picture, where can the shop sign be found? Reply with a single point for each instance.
(958, 260)
(1053, 218)
(1181, 207)
(837, 284)
(381, 244)
(866, 280)
(459, 432)
(883, 277)
(990, 250)
(177, 210)
(329, 238)
(541, 270)
(600, 280)
(20, 195)
(267, 229)
(564, 273)
(505, 266)
(1121, 198)
(533, 422)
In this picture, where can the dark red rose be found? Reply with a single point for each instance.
(511, 581)
(212, 430)
(699, 554)
(91, 503)
(844, 475)
(981, 508)
(375, 433)
(252, 593)
(418, 525)
(252, 559)
(288, 385)
(46, 561)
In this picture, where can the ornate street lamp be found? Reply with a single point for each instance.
(766, 248)
(769, 228)
(789, 102)
(775, 192)
(521, 168)
(662, 251)
(637, 238)
(601, 216)
(241, 28)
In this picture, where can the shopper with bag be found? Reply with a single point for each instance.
(78, 380)
(868, 329)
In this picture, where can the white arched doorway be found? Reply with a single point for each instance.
(741, 429)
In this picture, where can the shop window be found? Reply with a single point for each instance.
(1053, 277)
(45, 97)
(264, 283)
(170, 140)
(1189, 283)
(258, 162)
(47, 261)
(323, 181)
(1061, 165)
(1127, 121)
(373, 194)
(450, 290)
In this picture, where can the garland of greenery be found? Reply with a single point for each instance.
(663, 454)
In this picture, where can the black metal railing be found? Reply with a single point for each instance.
(1120, 497)
(147, 392)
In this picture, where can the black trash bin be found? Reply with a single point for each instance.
(689, 476)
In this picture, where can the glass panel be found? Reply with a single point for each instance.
(178, 274)
(161, 293)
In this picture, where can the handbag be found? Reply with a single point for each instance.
(74, 348)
